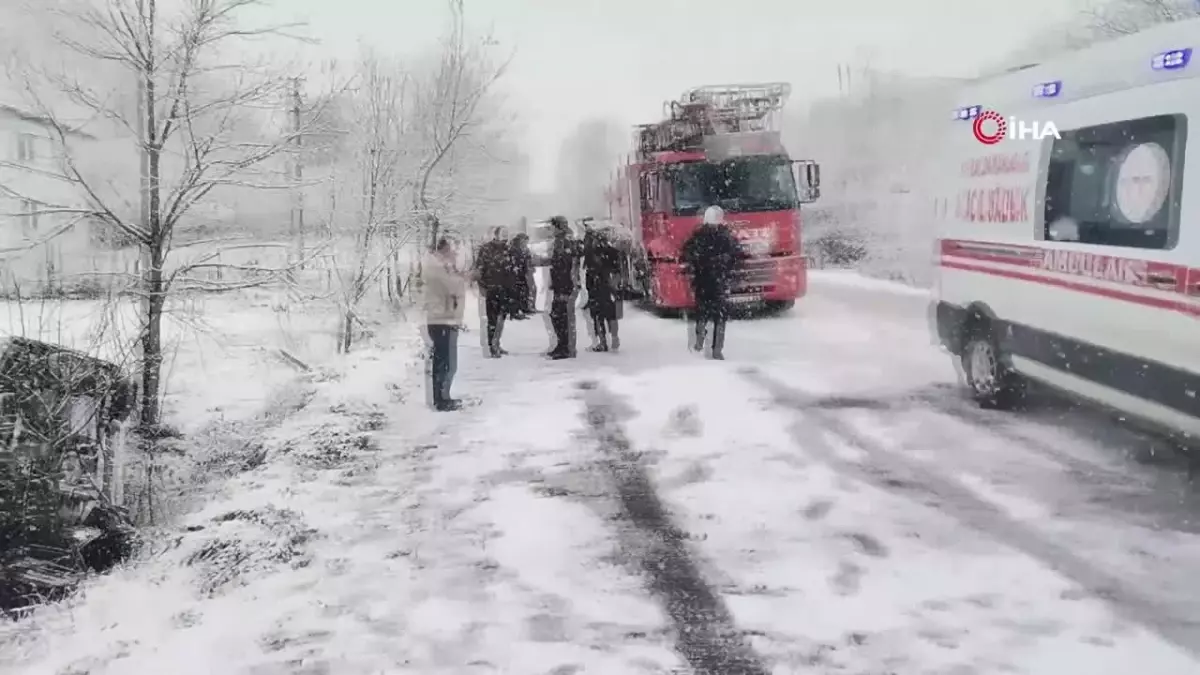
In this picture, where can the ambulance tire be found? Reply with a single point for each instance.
(993, 385)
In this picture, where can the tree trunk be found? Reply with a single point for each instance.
(434, 230)
(155, 247)
(152, 353)
(347, 332)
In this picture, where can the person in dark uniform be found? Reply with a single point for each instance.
(602, 264)
(493, 272)
(712, 255)
(564, 274)
(524, 285)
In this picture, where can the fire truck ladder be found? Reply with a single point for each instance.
(710, 110)
(735, 107)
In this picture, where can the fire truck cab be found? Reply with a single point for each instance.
(717, 145)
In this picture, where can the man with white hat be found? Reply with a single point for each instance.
(712, 255)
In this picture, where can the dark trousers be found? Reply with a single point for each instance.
(443, 361)
(562, 320)
(496, 305)
(604, 327)
(709, 311)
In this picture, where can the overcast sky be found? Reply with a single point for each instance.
(621, 58)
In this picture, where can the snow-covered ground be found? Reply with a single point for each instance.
(220, 356)
(823, 501)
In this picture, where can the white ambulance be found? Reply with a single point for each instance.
(1069, 235)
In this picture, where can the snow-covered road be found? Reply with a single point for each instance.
(823, 501)
(850, 509)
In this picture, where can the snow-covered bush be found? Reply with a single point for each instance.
(873, 145)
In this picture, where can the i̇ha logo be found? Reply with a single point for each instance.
(990, 128)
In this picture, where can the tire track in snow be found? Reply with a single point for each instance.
(705, 634)
(923, 481)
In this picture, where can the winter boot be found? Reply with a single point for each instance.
(701, 331)
(718, 345)
(601, 336)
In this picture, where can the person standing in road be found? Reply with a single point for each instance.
(444, 297)
(712, 256)
(524, 285)
(496, 284)
(601, 265)
(564, 275)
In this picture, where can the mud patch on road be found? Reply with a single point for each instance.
(705, 634)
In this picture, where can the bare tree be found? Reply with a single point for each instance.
(200, 122)
(367, 188)
(450, 101)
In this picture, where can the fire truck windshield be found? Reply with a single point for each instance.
(737, 185)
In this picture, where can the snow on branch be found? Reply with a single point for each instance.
(451, 104)
(178, 98)
(164, 109)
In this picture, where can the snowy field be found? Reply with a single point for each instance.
(823, 501)
(220, 351)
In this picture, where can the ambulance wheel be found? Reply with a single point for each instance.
(993, 384)
(780, 306)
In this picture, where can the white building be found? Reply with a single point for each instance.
(41, 247)
(46, 244)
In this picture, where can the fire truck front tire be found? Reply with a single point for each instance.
(780, 306)
(992, 383)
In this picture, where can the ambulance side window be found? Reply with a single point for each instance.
(1117, 184)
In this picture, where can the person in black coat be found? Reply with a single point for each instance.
(492, 269)
(602, 264)
(564, 288)
(524, 285)
(712, 255)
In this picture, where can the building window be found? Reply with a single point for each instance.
(27, 148)
(29, 217)
(1117, 184)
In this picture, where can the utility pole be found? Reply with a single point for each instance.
(297, 172)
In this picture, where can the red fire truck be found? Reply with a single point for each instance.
(716, 145)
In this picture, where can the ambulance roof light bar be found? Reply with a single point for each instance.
(1176, 59)
(1048, 89)
(968, 113)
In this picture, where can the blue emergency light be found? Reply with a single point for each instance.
(968, 113)
(1048, 89)
(1172, 60)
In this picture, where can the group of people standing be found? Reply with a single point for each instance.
(504, 272)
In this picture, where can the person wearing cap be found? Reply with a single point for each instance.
(564, 272)
(602, 263)
(525, 286)
(712, 255)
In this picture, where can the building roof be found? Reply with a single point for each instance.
(40, 120)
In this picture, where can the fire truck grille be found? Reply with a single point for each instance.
(755, 273)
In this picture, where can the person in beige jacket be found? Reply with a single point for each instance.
(445, 299)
